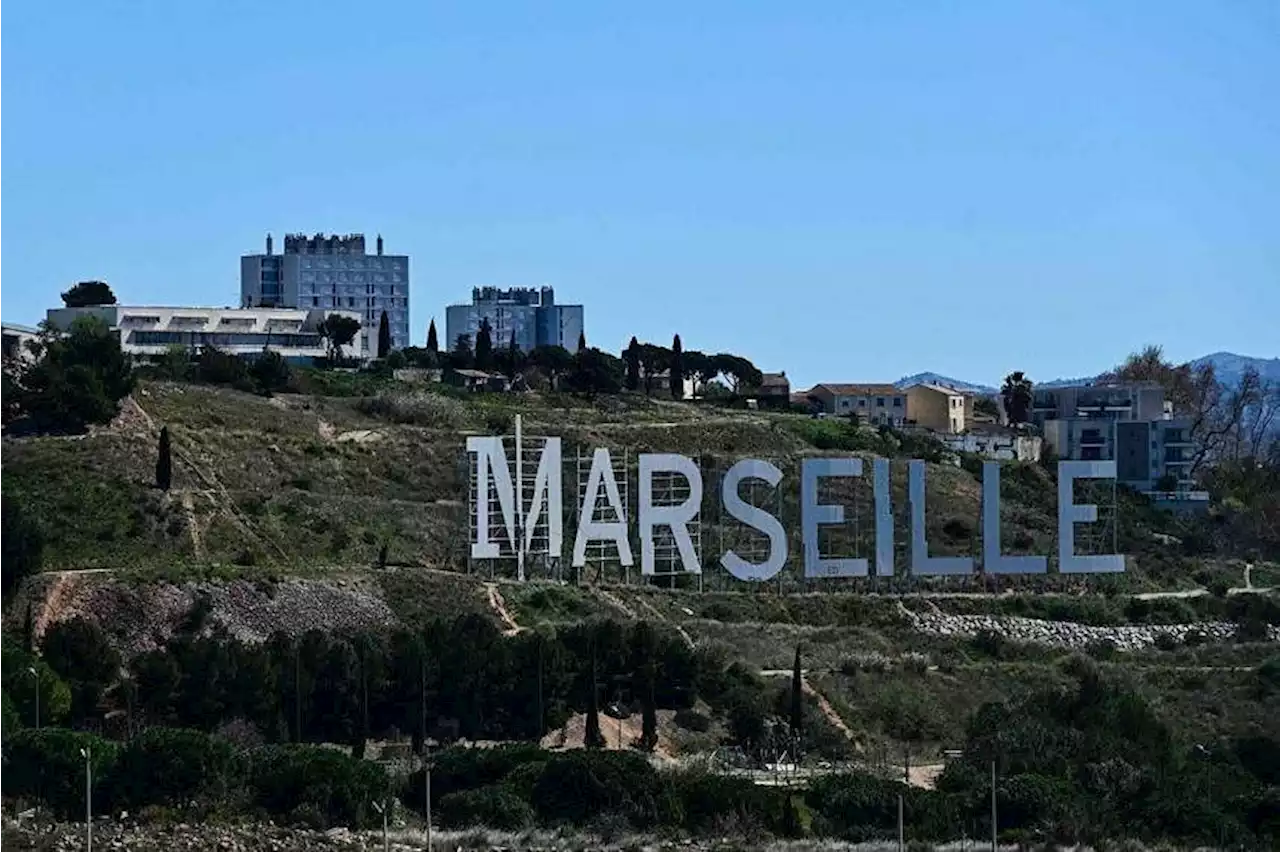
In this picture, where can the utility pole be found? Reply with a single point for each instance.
(35, 674)
(900, 831)
(994, 846)
(297, 692)
(88, 798)
(426, 777)
(519, 500)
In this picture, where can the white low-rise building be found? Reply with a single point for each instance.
(16, 341)
(152, 330)
(997, 445)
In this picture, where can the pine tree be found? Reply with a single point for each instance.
(593, 738)
(582, 341)
(632, 357)
(384, 336)
(797, 698)
(433, 343)
(676, 372)
(164, 462)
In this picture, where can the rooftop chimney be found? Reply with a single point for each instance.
(379, 245)
(268, 244)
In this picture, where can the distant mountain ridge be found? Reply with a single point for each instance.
(944, 381)
(1228, 366)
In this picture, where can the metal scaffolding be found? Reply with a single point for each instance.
(600, 555)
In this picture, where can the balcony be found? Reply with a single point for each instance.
(1087, 405)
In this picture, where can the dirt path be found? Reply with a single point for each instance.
(657, 614)
(193, 524)
(925, 775)
(614, 601)
(499, 607)
(216, 490)
(827, 710)
(59, 594)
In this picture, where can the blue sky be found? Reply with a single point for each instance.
(851, 191)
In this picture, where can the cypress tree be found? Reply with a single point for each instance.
(632, 357)
(649, 712)
(164, 462)
(433, 343)
(513, 356)
(593, 738)
(797, 697)
(676, 372)
(484, 346)
(29, 630)
(384, 336)
(582, 341)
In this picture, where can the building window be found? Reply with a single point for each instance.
(862, 403)
(879, 402)
(897, 402)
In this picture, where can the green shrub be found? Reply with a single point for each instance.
(8, 714)
(577, 787)
(283, 779)
(173, 766)
(49, 765)
(458, 770)
(692, 720)
(492, 807)
(856, 806)
(706, 799)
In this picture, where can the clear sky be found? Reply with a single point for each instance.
(848, 190)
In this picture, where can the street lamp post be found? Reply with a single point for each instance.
(88, 798)
(383, 808)
(36, 675)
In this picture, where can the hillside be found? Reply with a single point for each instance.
(298, 483)
(280, 507)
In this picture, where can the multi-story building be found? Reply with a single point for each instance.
(149, 330)
(1137, 401)
(1132, 425)
(332, 272)
(879, 405)
(16, 338)
(940, 408)
(530, 314)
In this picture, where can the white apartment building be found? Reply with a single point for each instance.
(151, 330)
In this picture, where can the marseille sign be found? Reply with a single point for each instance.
(516, 521)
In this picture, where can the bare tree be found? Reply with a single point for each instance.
(1226, 422)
